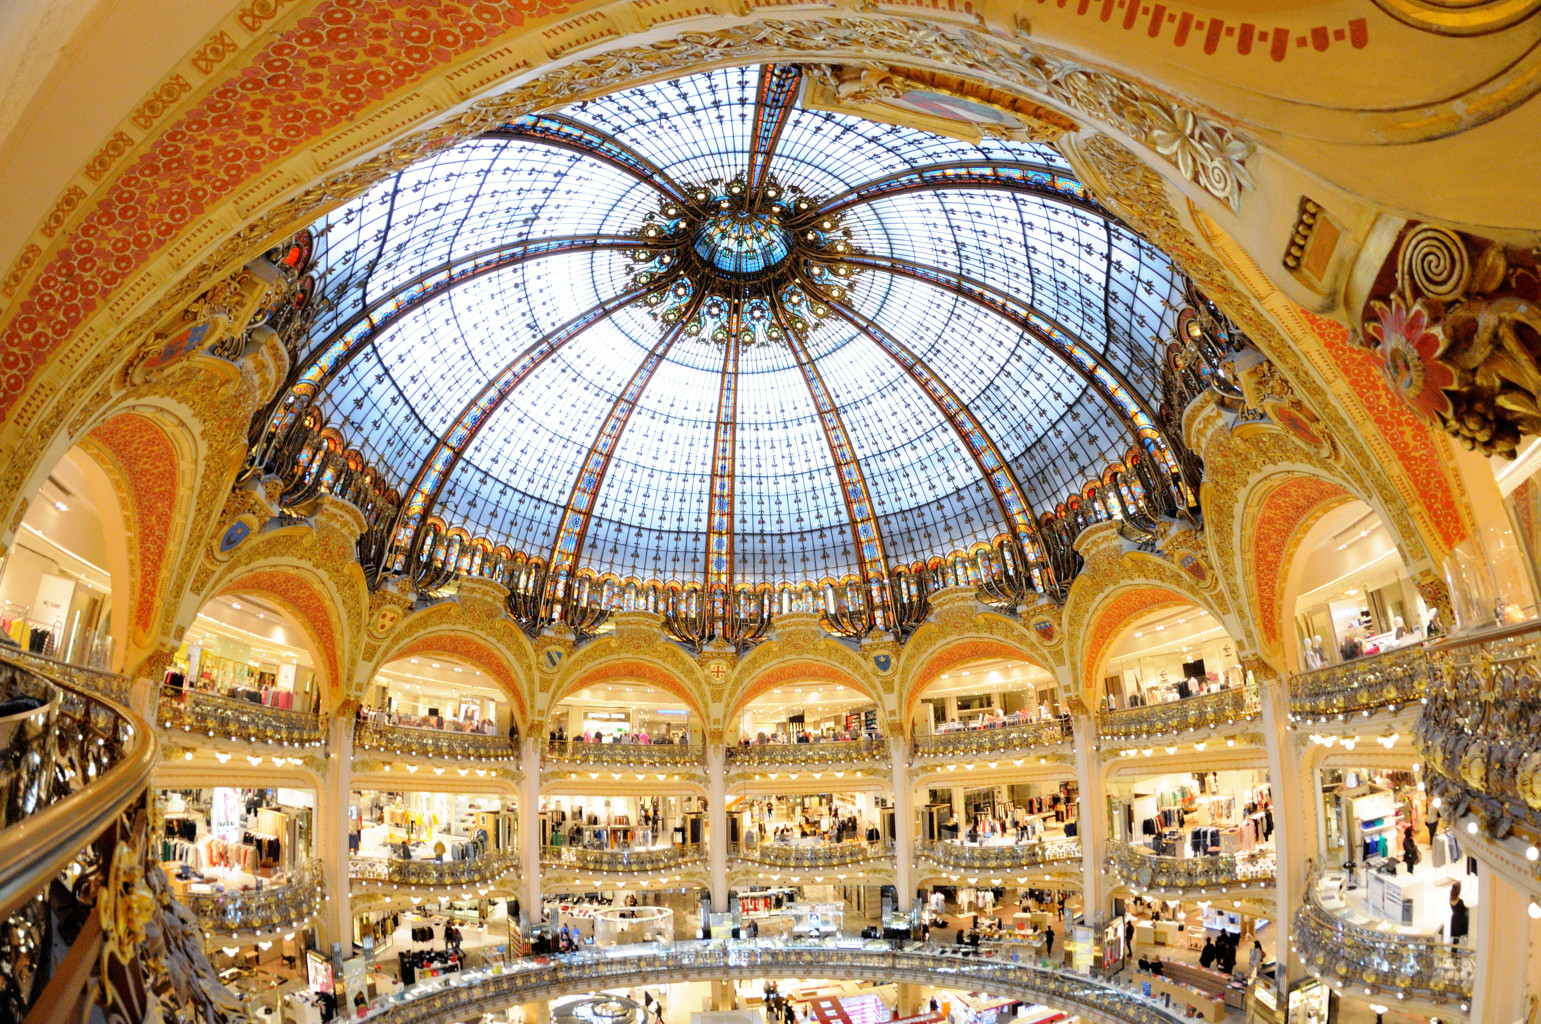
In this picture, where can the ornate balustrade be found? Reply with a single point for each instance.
(1480, 733)
(829, 855)
(1139, 868)
(662, 859)
(628, 755)
(1206, 711)
(435, 744)
(1392, 679)
(1412, 966)
(216, 715)
(972, 742)
(999, 858)
(280, 907)
(74, 848)
(466, 996)
(806, 755)
(106, 684)
(433, 874)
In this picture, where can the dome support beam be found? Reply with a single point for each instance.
(354, 334)
(777, 92)
(428, 482)
(871, 554)
(1121, 398)
(1009, 496)
(567, 549)
(1016, 176)
(555, 130)
(719, 514)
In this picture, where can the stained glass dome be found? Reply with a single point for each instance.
(698, 331)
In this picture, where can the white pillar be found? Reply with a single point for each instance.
(1293, 818)
(529, 826)
(717, 824)
(904, 822)
(335, 921)
(1503, 935)
(1091, 819)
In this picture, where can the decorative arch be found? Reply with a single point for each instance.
(956, 651)
(306, 599)
(1279, 509)
(608, 664)
(1111, 616)
(456, 643)
(802, 668)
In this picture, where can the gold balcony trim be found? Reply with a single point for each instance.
(220, 717)
(1206, 711)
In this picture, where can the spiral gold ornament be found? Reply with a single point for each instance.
(1433, 263)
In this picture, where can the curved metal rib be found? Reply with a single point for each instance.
(873, 558)
(995, 470)
(555, 130)
(332, 356)
(428, 481)
(772, 107)
(718, 570)
(1016, 176)
(568, 547)
(1125, 402)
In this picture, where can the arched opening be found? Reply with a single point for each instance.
(243, 646)
(432, 691)
(60, 575)
(807, 711)
(1348, 592)
(621, 709)
(988, 693)
(1172, 653)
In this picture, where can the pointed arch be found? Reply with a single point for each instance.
(306, 599)
(461, 644)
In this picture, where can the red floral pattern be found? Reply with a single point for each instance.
(471, 652)
(1275, 535)
(299, 597)
(1410, 353)
(1107, 624)
(146, 463)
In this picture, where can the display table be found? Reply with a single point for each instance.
(1208, 1006)
(1158, 933)
(1204, 979)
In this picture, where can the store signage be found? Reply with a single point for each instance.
(608, 716)
(318, 971)
(225, 815)
(52, 603)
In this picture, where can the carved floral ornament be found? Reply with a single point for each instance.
(1456, 322)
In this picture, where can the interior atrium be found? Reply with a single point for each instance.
(765, 512)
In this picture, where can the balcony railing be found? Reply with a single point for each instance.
(75, 794)
(1416, 966)
(432, 743)
(1478, 732)
(662, 859)
(467, 996)
(828, 855)
(999, 858)
(1205, 711)
(1146, 872)
(218, 716)
(114, 687)
(997, 740)
(628, 755)
(284, 906)
(1394, 678)
(433, 874)
(806, 755)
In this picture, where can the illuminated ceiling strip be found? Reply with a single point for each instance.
(555, 130)
(1009, 176)
(772, 108)
(352, 336)
(1120, 397)
(568, 547)
(428, 482)
(853, 486)
(1003, 483)
(719, 518)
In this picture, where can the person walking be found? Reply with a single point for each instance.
(1460, 917)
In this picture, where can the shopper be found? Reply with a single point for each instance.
(1409, 850)
(1207, 955)
(1254, 960)
(1460, 918)
(1048, 940)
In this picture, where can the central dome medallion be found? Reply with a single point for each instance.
(726, 262)
(742, 243)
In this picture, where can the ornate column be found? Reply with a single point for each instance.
(717, 822)
(1092, 814)
(904, 822)
(529, 827)
(1503, 935)
(1294, 818)
(332, 828)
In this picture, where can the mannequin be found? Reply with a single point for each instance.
(1313, 653)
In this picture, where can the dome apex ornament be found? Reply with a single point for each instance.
(743, 258)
